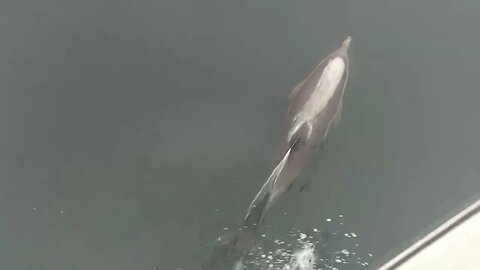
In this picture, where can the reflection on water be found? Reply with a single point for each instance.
(313, 249)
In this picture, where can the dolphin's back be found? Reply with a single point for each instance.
(304, 97)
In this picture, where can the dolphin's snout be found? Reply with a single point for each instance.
(346, 42)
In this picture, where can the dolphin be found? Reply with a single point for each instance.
(315, 107)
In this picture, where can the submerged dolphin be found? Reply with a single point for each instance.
(315, 106)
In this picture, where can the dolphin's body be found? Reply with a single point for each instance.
(315, 106)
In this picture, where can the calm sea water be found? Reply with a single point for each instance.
(134, 133)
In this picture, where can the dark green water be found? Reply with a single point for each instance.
(133, 132)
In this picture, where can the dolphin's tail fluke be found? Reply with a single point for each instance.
(264, 198)
(229, 250)
(256, 211)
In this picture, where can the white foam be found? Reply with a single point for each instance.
(299, 251)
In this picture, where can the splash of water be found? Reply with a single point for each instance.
(312, 250)
(302, 259)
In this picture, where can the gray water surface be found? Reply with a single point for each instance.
(133, 132)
